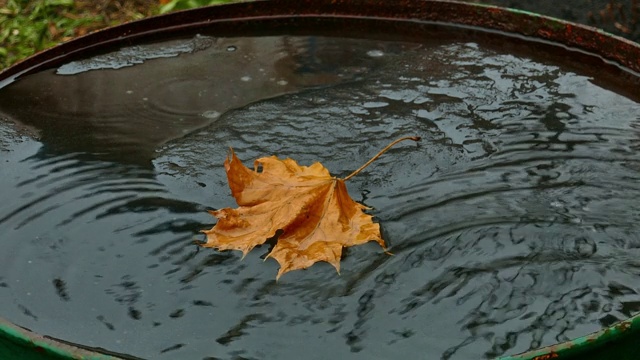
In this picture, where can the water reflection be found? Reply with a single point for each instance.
(513, 224)
(113, 113)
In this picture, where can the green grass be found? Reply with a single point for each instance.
(30, 26)
(174, 5)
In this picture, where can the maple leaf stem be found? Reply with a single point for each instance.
(414, 138)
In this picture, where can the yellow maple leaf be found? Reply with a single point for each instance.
(310, 211)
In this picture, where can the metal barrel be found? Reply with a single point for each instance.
(619, 341)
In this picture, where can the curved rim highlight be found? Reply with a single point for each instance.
(29, 345)
(588, 344)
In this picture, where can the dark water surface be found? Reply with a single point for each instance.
(514, 224)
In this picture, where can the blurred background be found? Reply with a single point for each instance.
(618, 17)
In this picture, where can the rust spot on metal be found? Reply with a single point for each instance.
(623, 326)
(545, 33)
(568, 29)
(551, 355)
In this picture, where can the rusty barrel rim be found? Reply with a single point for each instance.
(610, 48)
(586, 345)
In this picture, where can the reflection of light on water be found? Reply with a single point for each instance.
(358, 110)
(512, 223)
(171, 94)
(134, 55)
(374, 104)
(212, 114)
(375, 53)
(487, 216)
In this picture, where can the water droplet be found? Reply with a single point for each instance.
(375, 104)
(375, 53)
(246, 78)
(211, 114)
(282, 82)
(231, 48)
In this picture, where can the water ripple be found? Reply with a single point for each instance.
(513, 225)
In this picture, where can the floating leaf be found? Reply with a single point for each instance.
(307, 209)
